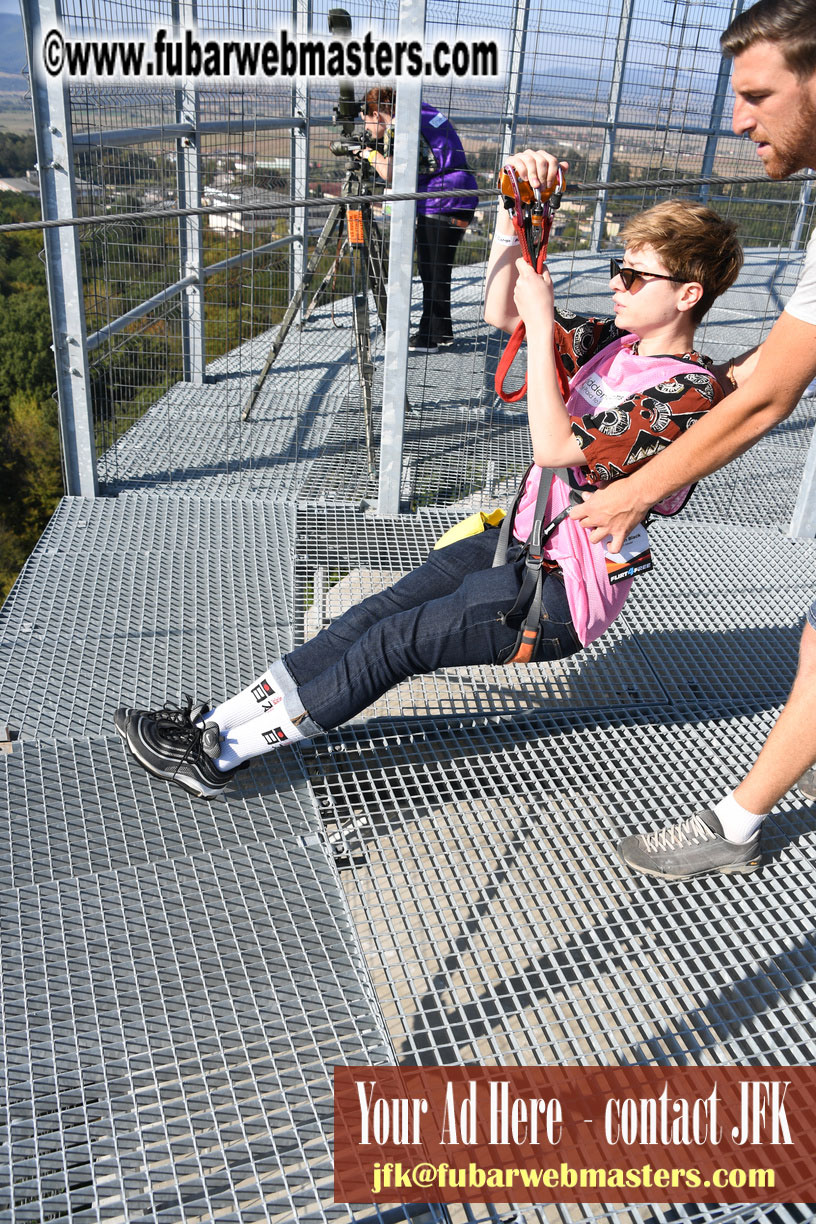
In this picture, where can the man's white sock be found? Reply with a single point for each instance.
(265, 694)
(262, 734)
(738, 824)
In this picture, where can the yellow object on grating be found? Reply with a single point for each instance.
(472, 525)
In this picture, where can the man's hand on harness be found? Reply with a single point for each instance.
(613, 512)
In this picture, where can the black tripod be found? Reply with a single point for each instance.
(368, 271)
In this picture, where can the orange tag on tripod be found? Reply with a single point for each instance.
(354, 219)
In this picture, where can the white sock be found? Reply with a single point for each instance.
(265, 693)
(738, 824)
(262, 734)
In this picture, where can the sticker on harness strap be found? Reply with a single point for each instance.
(634, 558)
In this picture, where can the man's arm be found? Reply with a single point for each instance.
(785, 365)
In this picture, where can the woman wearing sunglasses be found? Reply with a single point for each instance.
(636, 383)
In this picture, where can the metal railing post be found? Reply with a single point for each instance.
(299, 157)
(612, 113)
(803, 209)
(515, 66)
(400, 269)
(717, 109)
(803, 522)
(191, 241)
(55, 160)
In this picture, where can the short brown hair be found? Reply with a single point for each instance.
(790, 23)
(379, 98)
(694, 243)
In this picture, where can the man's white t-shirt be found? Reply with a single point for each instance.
(802, 304)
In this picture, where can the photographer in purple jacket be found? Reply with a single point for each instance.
(440, 223)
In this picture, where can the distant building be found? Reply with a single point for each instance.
(220, 182)
(22, 186)
(280, 165)
(243, 220)
(88, 192)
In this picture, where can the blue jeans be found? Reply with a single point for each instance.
(446, 613)
(811, 615)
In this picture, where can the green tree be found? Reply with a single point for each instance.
(29, 435)
(26, 360)
(17, 154)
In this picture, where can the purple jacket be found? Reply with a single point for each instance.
(446, 167)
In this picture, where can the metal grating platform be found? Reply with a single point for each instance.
(77, 807)
(680, 636)
(499, 926)
(761, 489)
(710, 1213)
(433, 883)
(132, 602)
(307, 440)
(170, 1032)
(721, 614)
(372, 552)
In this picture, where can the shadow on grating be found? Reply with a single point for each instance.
(499, 926)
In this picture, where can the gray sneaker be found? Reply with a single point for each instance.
(807, 784)
(691, 847)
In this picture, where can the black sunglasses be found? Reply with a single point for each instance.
(630, 275)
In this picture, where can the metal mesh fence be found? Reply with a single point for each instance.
(632, 92)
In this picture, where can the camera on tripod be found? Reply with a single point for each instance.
(351, 148)
(350, 223)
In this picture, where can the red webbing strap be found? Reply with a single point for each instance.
(514, 343)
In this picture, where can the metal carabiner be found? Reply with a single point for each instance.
(512, 203)
(554, 201)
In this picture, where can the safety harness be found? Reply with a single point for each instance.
(526, 611)
(531, 213)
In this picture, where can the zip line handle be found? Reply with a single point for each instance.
(531, 212)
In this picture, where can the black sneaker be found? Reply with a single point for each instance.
(422, 344)
(689, 848)
(807, 784)
(179, 751)
(169, 713)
